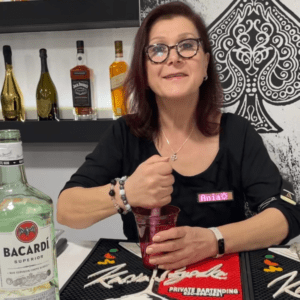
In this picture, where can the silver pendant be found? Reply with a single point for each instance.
(174, 157)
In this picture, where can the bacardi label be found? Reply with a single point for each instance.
(11, 154)
(47, 295)
(81, 90)
(26, 256)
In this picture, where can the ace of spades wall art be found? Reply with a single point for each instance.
(256, 46)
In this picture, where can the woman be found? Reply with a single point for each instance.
(177, 148)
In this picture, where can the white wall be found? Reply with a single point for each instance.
(49, 166)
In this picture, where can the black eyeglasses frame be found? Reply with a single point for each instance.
(199, 41)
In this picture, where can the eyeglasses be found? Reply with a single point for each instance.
(158, 53)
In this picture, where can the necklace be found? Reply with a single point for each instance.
(174, 156)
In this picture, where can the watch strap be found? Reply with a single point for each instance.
(220, 240)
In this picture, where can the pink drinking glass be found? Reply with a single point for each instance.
(148, 225)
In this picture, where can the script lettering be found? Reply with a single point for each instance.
(110, 276)
(286, 288)
(181, 274)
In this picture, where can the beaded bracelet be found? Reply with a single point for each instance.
(112, 195)
(123, 195)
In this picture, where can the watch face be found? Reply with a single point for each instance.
(220, 239)
(221, 245)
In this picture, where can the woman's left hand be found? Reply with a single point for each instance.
(181, 246)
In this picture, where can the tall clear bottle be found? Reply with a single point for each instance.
(82, 90)
(11, 96)
(46, 94)
(28, 268)
(117, 73)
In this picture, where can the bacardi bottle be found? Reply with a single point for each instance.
(28, 268)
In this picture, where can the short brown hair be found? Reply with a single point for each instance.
(143, 117)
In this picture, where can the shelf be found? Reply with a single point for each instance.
(64, 131)
(59, 15)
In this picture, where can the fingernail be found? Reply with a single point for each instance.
(152, 261)
(149, 250)
(160, 266)
(156, 238)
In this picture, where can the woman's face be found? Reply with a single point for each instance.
(176, 77)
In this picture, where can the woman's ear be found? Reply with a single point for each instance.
(207, 58)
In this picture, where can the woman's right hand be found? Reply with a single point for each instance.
(151, 184)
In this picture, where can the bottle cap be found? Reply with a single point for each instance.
(43, 52)
(119, 48)
(10, 135)
(6, 49)
(80, 46)
(7, 54)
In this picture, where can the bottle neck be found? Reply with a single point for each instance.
(11, 164)
(8, 67)
(12, 175)
(119, 56)
(81, 59)
(44, 64)
(7, 59)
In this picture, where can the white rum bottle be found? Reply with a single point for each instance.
(27, 238)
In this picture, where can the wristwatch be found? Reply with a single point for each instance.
(221, 242)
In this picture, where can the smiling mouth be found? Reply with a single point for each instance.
(179, 75)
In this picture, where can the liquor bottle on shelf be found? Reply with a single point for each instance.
(11, 96)
(117, 72)
(27, 249)
(81, 76)
(46, 94)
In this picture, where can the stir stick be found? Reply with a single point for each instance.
(155, 212)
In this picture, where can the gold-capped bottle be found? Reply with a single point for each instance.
(118, 72)
(11, 96)
(46, 94)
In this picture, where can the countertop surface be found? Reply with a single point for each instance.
(71, 259)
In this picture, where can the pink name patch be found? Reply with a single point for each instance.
(215, 197)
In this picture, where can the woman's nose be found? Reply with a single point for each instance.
(174, 56)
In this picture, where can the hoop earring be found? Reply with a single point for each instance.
(205, 78)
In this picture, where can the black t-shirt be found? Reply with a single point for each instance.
(242, 169)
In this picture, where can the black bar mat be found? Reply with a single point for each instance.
(74, 287)
(265, 266)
